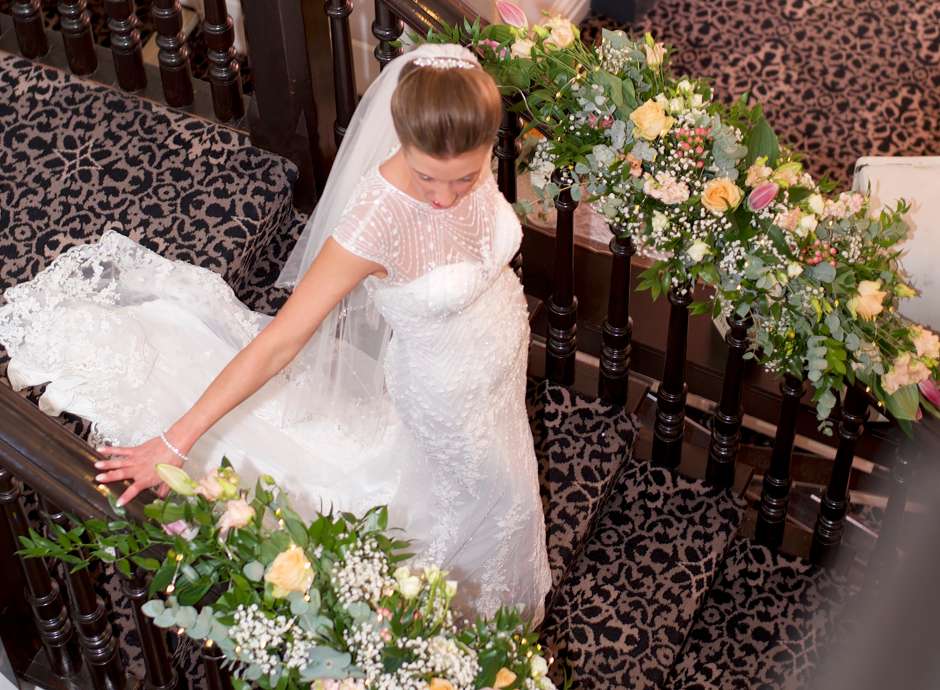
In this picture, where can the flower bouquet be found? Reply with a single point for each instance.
(328, 604)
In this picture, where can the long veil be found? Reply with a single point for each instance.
(345, 357)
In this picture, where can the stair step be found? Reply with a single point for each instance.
(582, 446)
(86, 158)
(763, 623)
(623, 612)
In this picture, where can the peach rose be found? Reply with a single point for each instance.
(522, 48)
(562, 33)
(926, 342)
(289, 572)
(721, 195)
(238, 513)
(650, 120)
(655, 54)
(440, 684)
(904, 371)
(504, 678)
(868, 302)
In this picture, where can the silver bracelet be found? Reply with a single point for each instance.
(176, 451)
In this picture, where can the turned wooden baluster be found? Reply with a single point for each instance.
(562, 305)
(618, 326)
(726, 425)
(670, 399)
(92, 623)
(125, 45)
(387, 28)
(507, 150)
(175, 72)
(830, 524)
(49, 613)
(29, 27)
(76, 35)
(775, 493)
(212, 657)
(160, 674)
(224, 72)
(344, 76)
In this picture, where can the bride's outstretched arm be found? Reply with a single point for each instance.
(332, 275)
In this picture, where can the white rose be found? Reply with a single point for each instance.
(562, 34)
(685, 86)
(808, 223)
(522, 48)
(676, 105)
(538, 666)
(698, 250)
(816, 204)
(660, 222)
(409, 585)
(432, 573)
(794, 269)
(697, 100)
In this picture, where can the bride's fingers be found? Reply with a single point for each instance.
(114, 450)
(163, 491)
(131, 493)
(112, 464)
(114, 476)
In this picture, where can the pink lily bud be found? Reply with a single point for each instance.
(930, 390)
(762, 195)
(592, 119)
(512, 14)
(607, 122)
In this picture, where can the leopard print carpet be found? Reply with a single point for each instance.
(621, 616)
(763, 624)
(838, 80)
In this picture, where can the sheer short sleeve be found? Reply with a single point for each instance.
(366, 229)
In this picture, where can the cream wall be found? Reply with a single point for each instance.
(916, 179)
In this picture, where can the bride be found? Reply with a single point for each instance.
(395, 372)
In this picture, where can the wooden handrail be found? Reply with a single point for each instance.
(57, 464)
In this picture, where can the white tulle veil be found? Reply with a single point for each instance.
(345, 357)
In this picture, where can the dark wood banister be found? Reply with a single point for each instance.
(55, 462)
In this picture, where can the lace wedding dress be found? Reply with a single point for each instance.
(129, 340)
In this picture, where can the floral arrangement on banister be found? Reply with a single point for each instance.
(707, 191)
(325, 605)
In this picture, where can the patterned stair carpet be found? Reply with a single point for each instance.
(838, 80)
(763, 624)
(621, 616)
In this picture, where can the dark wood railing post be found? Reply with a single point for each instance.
(29, 27)
(160, 674)
(344, 75)
(830, 525)
(775, 492)
(175, 72)
(92, 623)
(212, 657)
(670, 399)
(387, 28)
(76, 35)
(618, 326)
(507, 150)
(561, 346)
(224, 72)
(726, 425)
(125, 45)
(283, 115)
(49, 613)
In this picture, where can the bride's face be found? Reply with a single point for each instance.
(442, 182)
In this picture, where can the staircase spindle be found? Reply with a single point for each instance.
(775, 492)
(76, 35)
(344, 76)
(618, 326)
(387, 28)
(173, 55)
(160, 674)
(507, 150)
(217, 678)
(224, 72)
(29, 27)
(726, 425)
(561, 345)
(830, 524)
(670, 399)
(90, 613)
(125, 45)
(49, 612)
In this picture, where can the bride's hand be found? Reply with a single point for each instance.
(137, 465)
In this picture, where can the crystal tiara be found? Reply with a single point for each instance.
(445, 63)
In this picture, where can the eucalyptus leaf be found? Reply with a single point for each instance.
(254, 571)
(153, 608)
(823, 272)
(166, 619)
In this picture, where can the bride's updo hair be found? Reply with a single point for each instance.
(445, 112)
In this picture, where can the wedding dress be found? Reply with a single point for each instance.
(129, 340)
